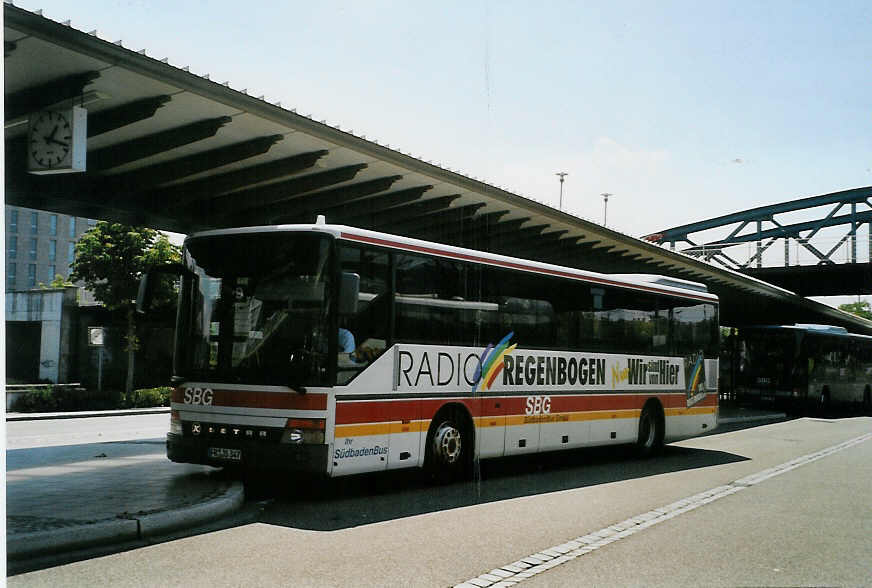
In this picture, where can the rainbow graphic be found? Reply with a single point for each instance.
(695, 376)
(491, 362)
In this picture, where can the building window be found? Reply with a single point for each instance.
(72, 227)
(92, 222)
(32, 251)
(13, 221)
(52, 250)
(13, 247)
(31, 275)
(53, 225)
(71, 252)
(52, 272)
(34, 223)
(10, 276)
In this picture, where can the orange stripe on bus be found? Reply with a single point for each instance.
(388, 428)
(380, 429)
(693, 410)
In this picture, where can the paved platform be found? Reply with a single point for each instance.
(63, 499)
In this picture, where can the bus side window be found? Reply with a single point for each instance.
(613, 319)
(526, 307)
(696, 325)
(436, 302)
(368, 324)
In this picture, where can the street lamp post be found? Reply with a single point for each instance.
(561, 175)
(605, 196)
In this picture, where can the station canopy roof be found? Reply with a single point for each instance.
(180, 152)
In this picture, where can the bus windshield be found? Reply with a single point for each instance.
(254, 309)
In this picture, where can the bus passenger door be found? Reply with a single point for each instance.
(405, 435)
(362, 437)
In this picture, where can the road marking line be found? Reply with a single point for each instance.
(527, 567)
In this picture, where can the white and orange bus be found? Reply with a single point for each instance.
(338, 350)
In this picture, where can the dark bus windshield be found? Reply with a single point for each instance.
(254, 309)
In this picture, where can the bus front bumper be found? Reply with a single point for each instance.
(247, 454)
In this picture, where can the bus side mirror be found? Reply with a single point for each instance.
(349, 291)
(146, 284)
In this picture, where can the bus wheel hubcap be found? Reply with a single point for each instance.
(446, 441)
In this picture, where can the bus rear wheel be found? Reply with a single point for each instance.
(448, 447)
(650, 439)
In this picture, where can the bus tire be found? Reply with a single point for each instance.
(449, 446)
(651, 430)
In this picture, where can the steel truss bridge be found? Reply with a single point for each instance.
(849, 212)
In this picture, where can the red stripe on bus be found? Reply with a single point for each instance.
(377, 411)
(281, 400)
(256, 399)
(374, 411)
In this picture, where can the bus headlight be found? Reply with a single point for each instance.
(304, 431)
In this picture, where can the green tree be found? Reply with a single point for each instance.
(110, 259)
(861, 308)
(60, 282)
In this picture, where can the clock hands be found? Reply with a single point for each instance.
(50, 138)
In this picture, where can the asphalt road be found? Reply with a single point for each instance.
(811, 526)
(391, 530)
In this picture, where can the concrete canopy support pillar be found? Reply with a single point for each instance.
(50, 350)
(45, 307)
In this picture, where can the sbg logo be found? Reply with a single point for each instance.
(199, 396)
(538, 405)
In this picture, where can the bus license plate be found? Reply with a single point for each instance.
(225, 453)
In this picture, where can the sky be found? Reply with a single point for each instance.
(681, 110)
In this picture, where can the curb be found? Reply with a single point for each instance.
(25, 545)
(68, 539)
(44, 416)
(163, 522)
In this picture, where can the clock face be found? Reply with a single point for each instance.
(50, 139)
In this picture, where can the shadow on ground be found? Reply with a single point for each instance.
(330, 505)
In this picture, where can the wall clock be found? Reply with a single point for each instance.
(57, 141)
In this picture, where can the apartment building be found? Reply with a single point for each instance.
(39, 246)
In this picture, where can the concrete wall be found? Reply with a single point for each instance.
(55, 309)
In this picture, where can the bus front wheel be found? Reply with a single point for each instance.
(448, 447)
(650, 440)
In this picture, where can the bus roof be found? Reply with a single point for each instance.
(811, 329)
(649, 283)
